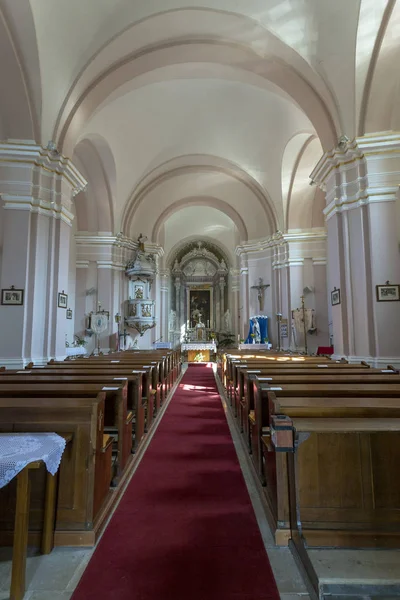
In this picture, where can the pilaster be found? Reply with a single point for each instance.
(361, 179)
(37, 189)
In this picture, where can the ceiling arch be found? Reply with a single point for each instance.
(20, 100)
(220, 205)
(95, 205)
(257, 52)
(198, 165)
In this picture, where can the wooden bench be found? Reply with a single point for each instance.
(93, 367)
(115, 412)
(84, 474)
(135, 407)
(245, 398)
(350, 401)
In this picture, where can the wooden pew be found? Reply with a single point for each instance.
(244, 399)
(135, 407)
(350, 401)
(239, 370)
(342, 488)
(265, 401)
(93, 367)
(83, 479)
(232, 366)
(114, 414)
(160, 375)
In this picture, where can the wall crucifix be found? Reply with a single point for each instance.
(260, 292)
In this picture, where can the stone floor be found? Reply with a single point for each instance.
(54, 577)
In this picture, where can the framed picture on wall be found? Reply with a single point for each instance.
(335, 297)
(69, 313)
(387, 293)
(62, 300)
(12, 297)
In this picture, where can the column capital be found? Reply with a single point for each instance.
(359, 172)
(38, 179)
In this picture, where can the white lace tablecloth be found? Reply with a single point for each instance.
(17, 450)
(199, 346)
(75, 351)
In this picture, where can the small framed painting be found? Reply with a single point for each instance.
(387, 293)
(69, 313)
(12, 297)
(62, 300)
(335, 297)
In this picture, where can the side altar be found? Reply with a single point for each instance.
(199, 352)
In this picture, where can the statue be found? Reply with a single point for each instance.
(141, 241)
(260, 292)
(227, 320)
(172, 320)
(256, 331)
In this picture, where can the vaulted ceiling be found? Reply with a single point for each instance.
(198, 117)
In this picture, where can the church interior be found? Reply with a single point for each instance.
(200, 251)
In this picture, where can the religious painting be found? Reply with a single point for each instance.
(12, 297)
(200, 307)
(132, 310)
(69, 313)
(335, 297)
(62, 300)
(387, 293)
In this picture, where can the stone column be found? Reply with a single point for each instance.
(361, 180)
(37, 190)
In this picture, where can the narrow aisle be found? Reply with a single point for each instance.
(185, 528)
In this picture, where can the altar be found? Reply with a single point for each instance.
(198, 352)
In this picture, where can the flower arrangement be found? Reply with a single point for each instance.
(266, 340)
(253, 335)
(79, 341)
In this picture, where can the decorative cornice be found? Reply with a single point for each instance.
(110, 264)
(82, 264)
(280, 239)
(47, 159)
(39, 206)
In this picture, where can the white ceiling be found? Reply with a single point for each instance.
(169, 105)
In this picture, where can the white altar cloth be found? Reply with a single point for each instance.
(199, 346)
(255, 346)
(75, 351)
(17, 450)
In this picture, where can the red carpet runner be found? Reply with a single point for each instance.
(185, 528)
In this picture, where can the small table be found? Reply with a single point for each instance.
(20, 453)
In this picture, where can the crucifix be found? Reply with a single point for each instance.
(260, 292)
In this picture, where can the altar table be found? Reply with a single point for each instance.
(195, 348)
(19, 453)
